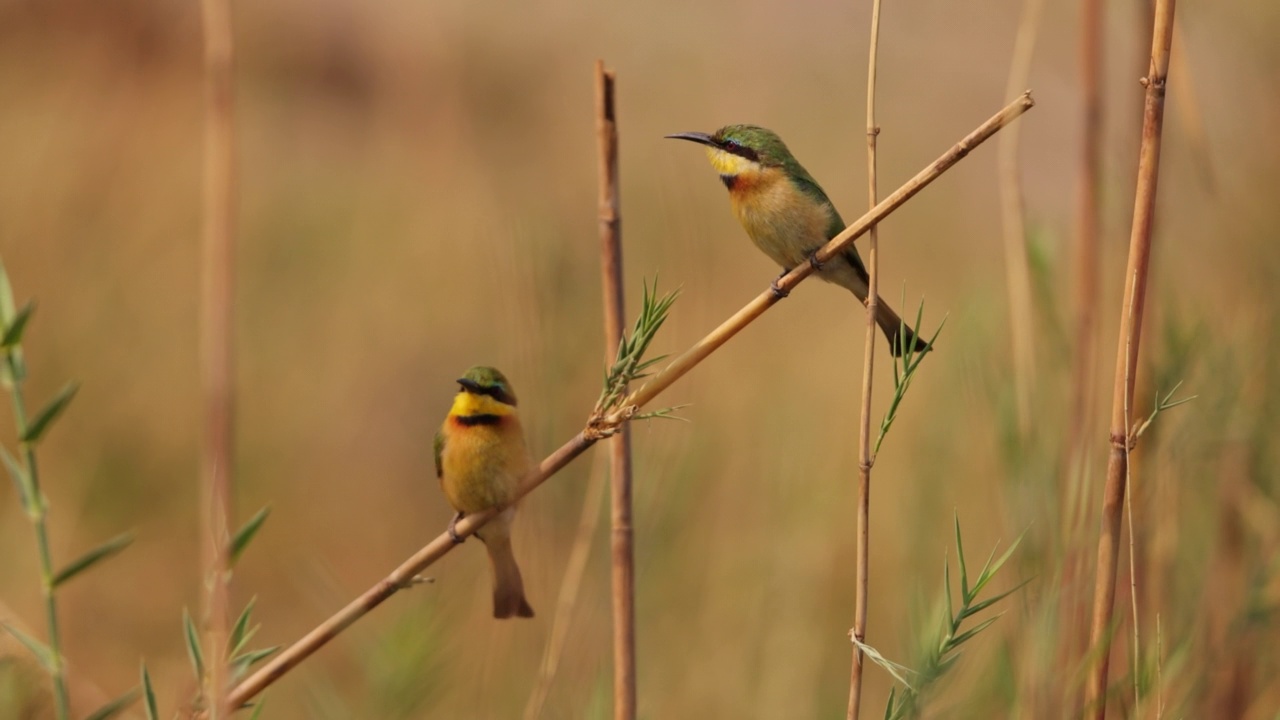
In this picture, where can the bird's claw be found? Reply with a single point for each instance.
(778, 292)
(814, 262)
(453, 530)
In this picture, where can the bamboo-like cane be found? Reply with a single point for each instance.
(403, 576)
(1131, 313)
(622, 554)
(216, 348)
(865, 460)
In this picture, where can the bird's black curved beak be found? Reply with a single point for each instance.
(469, 385)
(700, 138)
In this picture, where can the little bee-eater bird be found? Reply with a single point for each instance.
(480, 458)
(786, 213)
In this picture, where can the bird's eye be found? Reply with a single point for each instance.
(731, 145)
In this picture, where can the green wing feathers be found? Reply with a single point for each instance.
(439, 450)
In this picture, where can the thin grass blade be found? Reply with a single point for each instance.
(42, 652)
(246, 533)
(149, 695)
(93, 557)
(113, 708)
(13, 333)
(193, 645)
(50, 413)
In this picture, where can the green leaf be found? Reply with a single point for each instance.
(193, 646)
(240, 632)
(964, 572)
(7, 306)
(254, 657)
(89, 559)
(149, 695)
(42, 652)
(13, 332)
(245, 534)
(240, 665)
(50, 412)
(975, 609)
(964, 637)
(946, 586)
(888, 706)
(20, 478)
(113, 708)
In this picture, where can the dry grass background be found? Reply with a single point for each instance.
(419, 195)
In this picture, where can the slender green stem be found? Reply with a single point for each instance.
(39, 514)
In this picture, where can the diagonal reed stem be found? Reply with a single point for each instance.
(865, 458)
(1127, 360)
(403, 575)
(622, 553)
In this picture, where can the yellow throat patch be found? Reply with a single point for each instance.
(466, 404)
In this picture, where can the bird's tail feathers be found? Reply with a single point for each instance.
(892, 326)
(508, 586)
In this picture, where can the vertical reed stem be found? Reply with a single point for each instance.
(1127, 358)
(216, 341)
(865, 460)
(623, 561)
(1021, 329)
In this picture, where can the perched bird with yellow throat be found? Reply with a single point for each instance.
(480, 458)
(787, 215)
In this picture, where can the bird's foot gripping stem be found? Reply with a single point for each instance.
(453, 529)
(778, 292)
(814, 262)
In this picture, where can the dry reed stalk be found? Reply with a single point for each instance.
(1087, 227)
(403, 576)
(1126, 360)
(1021, 330)
(216, 342)
(865, 459)
(622, 553)
(567, 600)
(1080, 421)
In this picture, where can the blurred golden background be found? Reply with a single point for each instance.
(417, 189)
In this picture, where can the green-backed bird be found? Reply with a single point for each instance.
(480, 458)
(786, 213)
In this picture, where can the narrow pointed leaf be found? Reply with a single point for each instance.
(246, 532)
(241, 664)
(149, 695)
(50, 412)
(974, 610)
(946, 586)
(240, 632)
(13, 333)
(20, 479)
(991, 568)
(888, 706)
(7, 306)
(896, 670)
(193, 645)
(91, 558)
(42, 652)
(964, 572)
(113, 708)
(964, 637)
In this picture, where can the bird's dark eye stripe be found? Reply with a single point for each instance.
(497, 392)
(732, 146)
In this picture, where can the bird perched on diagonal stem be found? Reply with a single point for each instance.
(480, 458)
(788, 216)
